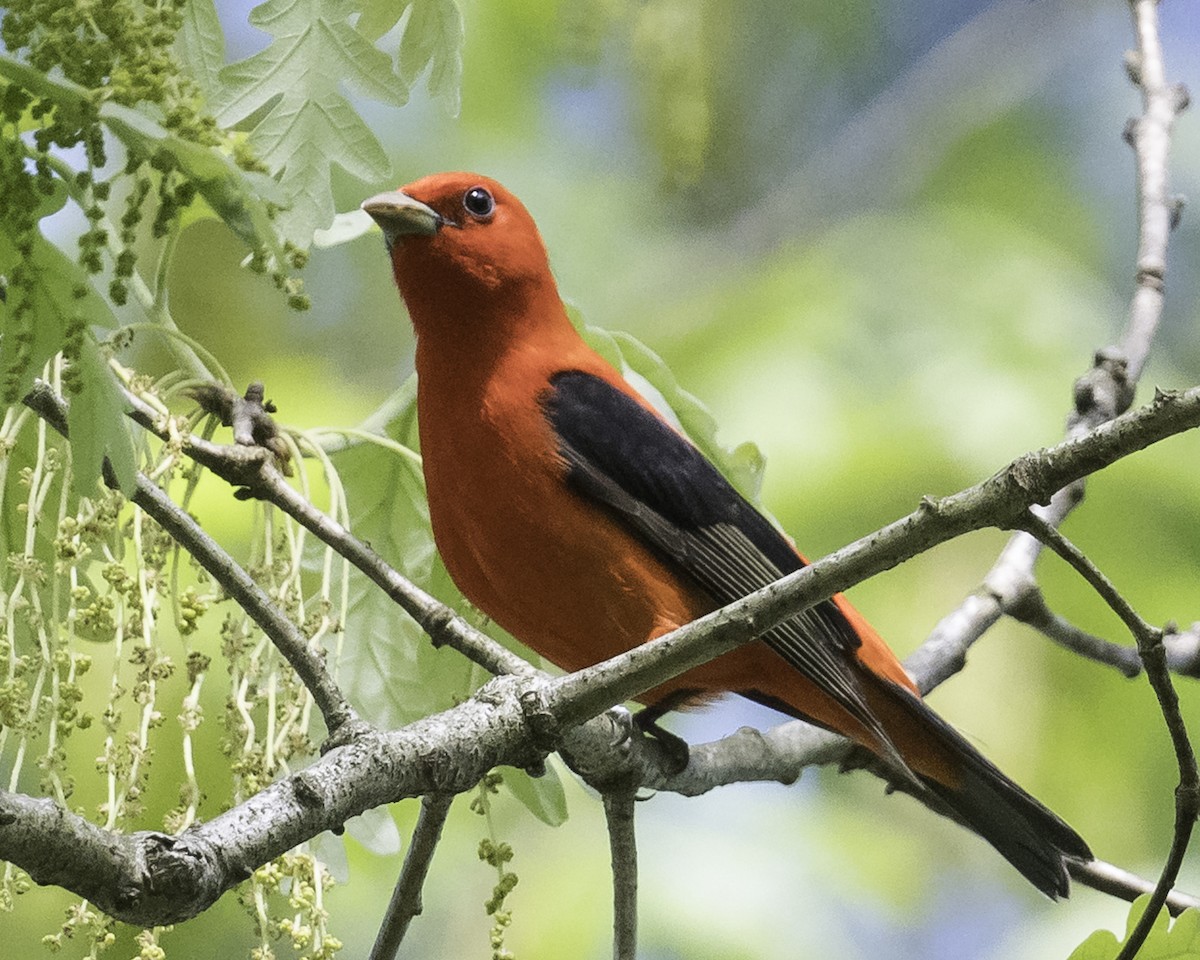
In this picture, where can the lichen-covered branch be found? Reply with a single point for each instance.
(516, 719)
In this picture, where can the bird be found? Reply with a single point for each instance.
(571, 513)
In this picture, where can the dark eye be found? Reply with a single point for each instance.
(478, 202)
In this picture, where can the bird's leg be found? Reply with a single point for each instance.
(675, 749)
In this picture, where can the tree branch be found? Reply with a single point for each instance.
(1158, 211)
(1000, 501)
(1154, 657)
(1108, 388)
(340, 718)
(1125, 885)
(253, 469)
(622, 843)
(514, 720)
(1031, 609)
(406, 897)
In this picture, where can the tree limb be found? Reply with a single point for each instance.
(1107, 389)
(253, 469)
(619, 806)
(1125, 885)
(1154, 657)
(513, 720)
(999, 501)
(406, 903)
(1031, 609)
(340, 718)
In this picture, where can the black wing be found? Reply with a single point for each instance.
(659, 484)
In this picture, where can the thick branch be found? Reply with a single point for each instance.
(513, 720)
(1000, 501)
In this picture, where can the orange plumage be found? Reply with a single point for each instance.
(569, 512)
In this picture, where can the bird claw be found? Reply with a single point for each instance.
(623, 727)
(675, 750)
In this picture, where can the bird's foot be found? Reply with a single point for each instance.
(675, 750)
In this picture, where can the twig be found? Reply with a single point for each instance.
(406, 897)
(1158, 211)
(253, 469)
(310, 668)
(1127, 886)
(287, 637)
(1032, 610)
(152, 878)
(1107, 389)
(622, 843)
(1154, 658)
(443, 626)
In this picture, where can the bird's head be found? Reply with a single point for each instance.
(459, 238)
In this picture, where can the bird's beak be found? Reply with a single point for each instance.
(399, 215)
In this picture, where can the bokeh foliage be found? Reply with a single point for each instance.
(879, 240)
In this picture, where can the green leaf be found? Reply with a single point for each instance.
(543, 796)
(742, 465)
(389, 669)
(1178, 940)
(379, 16)
(29, 340)
(433, 38)
(239, 197)
(1100, 945)
(200, 45)
(98, 426)
(305, 124)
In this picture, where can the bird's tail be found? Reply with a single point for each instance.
(972, 790)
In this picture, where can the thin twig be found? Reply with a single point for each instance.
(1032, 610)
(619, 806)
(442, 624)
(287, 637)
(165, 879)
(1158, 211)
(1154, 658)
(254, 470)
(1107, 389)
(1110, 879)
(406, 897)
(234, 580)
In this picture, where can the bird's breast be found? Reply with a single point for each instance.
(552, 568)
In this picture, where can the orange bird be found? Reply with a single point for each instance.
(583, 523)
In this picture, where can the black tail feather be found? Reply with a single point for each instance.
(1027, 834)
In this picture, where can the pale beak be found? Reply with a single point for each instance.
(399, 216)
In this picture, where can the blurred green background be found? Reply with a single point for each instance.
(880, 240)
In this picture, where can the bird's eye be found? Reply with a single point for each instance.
(479, 202)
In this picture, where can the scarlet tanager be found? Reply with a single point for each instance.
(579, 520)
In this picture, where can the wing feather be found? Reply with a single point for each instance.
(653, 480)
